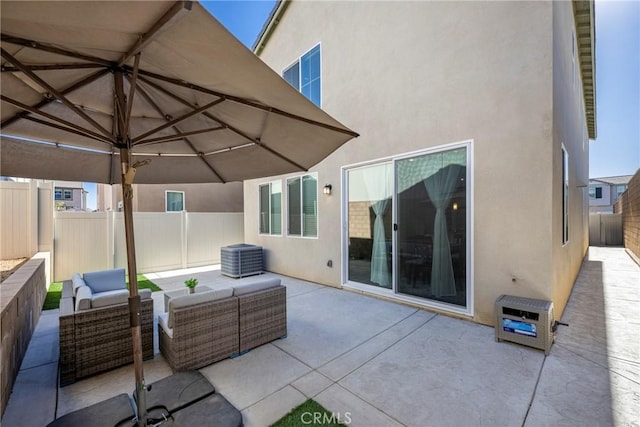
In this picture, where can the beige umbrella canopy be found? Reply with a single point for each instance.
(93, 91)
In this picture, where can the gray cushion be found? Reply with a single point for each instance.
(197, 298)
(105, 280)
(144, 293)
(103, 299)
(77, 281)
(83, 298)
(163, 322)
(247, 288)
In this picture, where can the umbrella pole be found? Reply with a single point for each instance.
(134, 298)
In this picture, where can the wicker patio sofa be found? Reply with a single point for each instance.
(205, 327)
(95, 332)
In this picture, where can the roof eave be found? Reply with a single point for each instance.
(270, 25)
(584, 15)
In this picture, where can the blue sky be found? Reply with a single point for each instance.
(616, 151)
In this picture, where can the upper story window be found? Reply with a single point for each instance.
(271, 208)
(304, 75)
(302, 206)
(63, 194)
(595, 192)
(174, 201)
(620, 189)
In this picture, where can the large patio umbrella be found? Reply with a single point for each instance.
(94, 91)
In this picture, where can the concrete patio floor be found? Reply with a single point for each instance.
(378, 363)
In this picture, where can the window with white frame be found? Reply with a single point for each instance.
(304, 75)
(63, 194)
(565, 196)
(271, 208)
(595, 192)
(174, 201)
(302, 206)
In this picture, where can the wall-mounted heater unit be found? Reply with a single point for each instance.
(525, 321)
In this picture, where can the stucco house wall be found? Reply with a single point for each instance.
(209, 197)
(414, 75)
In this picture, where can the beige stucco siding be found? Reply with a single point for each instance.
(415, 75)
(206, 197)
(569, 131)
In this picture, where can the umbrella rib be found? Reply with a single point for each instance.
(148, 98)
(47, 67)
(65, 128)
(178, 119)
(226, 125)
(33, 110)
(246, 102)
(178, 136)
(89, 79)
(53, 49)
(55, 92)
(175, 12)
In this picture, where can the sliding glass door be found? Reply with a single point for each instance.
(369, 210)
(431, 218)
(407, 226)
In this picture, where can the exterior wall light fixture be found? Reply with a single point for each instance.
(327, 189)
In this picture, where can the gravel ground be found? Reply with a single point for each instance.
(8, 266)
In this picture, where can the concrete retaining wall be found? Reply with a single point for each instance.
(21, 298)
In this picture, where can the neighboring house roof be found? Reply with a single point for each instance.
(583, 11)
(614, 180)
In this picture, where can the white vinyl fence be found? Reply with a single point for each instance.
(164, 241)
(605, 230)
(25, 218)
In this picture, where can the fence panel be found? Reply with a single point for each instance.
(164, 241)
(207, 233)
(81, 243)
(605, 230)
(18, 219)
(158, 240)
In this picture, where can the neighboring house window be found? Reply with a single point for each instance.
(565, 196)
(271, 208)
(304, 75)
(63, 194)
(595, 192)
(302, 206)
(174, 201)
(621, 189)
(598, 192)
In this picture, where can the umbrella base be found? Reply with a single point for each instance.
(182, 399)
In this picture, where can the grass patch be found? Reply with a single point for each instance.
(311, 413)
(52, 300)
(144, 283)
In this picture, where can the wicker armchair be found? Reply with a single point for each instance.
(262, 313)
(199, 329)
(98, 339)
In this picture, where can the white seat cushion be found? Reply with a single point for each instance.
(77, 281)
(163, 322)
(83, 298)
(247, 288)
(103, 299)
